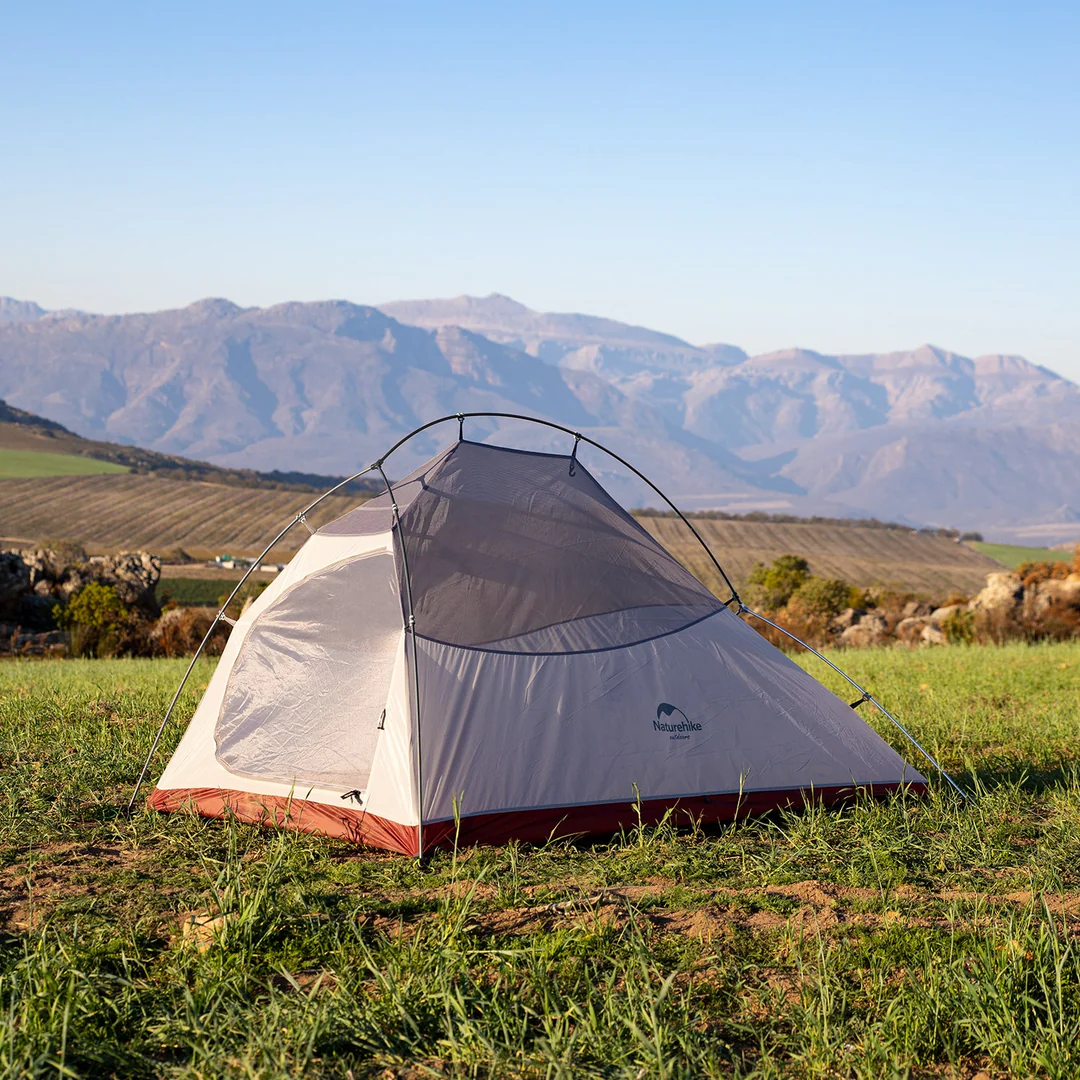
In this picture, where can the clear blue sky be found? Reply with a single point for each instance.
(850, 177)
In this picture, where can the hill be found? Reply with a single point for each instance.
(22, 463)
(1012, 555)
(925, 435)
(133, 511)
(31, 445)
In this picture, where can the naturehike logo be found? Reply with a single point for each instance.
(674, 729)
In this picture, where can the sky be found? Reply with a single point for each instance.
(845, 177)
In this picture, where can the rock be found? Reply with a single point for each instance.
(203, 929)
(14, 581)
(848, 617)
(939, 615)
(914, 609)
(869, 630)
(933, 635)
(1003, 593)
(1054, 596)
(910, 629)
(134, 575)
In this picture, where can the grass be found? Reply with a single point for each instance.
(188, 592)
(913, 937)
(25, 464)
(1012, 555)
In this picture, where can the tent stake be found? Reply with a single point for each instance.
(866, 696)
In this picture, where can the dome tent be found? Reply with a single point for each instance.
(495, 649)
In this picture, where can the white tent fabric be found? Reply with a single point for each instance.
(554, 666)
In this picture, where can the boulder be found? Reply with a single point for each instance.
(134, 575)
(1003, 593)
(939, 615)
(933, 635)
(910, 630)
(1053, 596)
(848, 617)
(869, 630)
(14, 582)
(914, 609)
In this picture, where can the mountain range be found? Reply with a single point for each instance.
(926, 435)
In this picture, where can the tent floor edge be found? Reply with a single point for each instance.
(534, 826)
(301, 815)
(606, 819)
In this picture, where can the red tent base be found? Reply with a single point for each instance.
(528, 826)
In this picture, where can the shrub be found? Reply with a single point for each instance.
(825, 596)
(97, 620)
(771, 587)
(959, 627)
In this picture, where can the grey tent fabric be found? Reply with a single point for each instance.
(505, 543)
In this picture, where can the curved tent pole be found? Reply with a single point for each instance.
(410, 629)
(222, 617)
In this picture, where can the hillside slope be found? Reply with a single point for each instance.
(114, 512)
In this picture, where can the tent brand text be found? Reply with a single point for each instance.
(675, 729)
(682, 725)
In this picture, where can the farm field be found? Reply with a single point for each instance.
(1012, 555)
(915, 937)
(113, 513)
(127, 512)
(34, 463)
(864, 557)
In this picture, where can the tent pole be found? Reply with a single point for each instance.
(410, 630)
(866, 695)
(220, 616)
(460, 417)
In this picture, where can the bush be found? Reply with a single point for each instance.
(825, 596)
(959, 627)
(97, 620)
(771, 587)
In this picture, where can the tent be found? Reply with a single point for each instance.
(494, 648)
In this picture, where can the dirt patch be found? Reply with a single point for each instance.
(57, 873)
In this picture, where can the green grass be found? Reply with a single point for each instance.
(894, 939)
(1012, 555)
(206, 592)
(188, 592)
(31, 463)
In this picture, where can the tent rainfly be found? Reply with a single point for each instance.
(495, 649)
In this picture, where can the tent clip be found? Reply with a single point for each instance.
(302, 518)
(865, 697)
(573, 454)
(222, 617)
(461, 427)
(356, 795)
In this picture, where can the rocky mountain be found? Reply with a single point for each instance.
(991, 442)
(19, 310)
(328, 387)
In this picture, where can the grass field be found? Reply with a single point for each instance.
(1012, 555)
(126, 512)
(207, 591)
(916, 937)
(25, 464)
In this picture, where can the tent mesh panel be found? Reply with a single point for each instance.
(504, 543)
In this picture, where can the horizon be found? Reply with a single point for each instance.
(843, 176)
